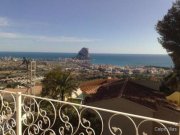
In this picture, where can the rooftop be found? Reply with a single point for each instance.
(132, 91)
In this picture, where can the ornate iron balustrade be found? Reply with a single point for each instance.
(22, 114)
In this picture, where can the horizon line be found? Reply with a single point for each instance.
(89, 53)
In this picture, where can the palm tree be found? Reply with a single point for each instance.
(66, 85)
(59, 84)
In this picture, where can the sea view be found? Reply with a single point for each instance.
(110, 59)
(90, 67)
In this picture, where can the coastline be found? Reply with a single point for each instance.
(159, 60)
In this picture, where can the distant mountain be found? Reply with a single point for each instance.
(83, 54)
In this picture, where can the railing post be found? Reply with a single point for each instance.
(18, 114)
(179, 128)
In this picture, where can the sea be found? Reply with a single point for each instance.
(108, 59)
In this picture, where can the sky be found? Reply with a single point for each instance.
(103, 26)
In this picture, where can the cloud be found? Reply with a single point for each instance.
(61, 39)
(42, 38)
(9, 35)
(3, 22)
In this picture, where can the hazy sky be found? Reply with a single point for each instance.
(104, 26)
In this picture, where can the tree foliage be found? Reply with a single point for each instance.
(169, 30)
(59, 84)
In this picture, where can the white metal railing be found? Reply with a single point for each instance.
(22, 114)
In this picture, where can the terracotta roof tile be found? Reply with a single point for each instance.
(37, 89)
(91, 87)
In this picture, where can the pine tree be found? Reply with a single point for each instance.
(169, 30)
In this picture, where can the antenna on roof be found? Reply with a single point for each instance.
(31, 74)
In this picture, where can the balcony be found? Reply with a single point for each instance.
(23, 114)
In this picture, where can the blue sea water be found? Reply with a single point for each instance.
(112, 59)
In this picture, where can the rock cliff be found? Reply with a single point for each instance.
(83, 54)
